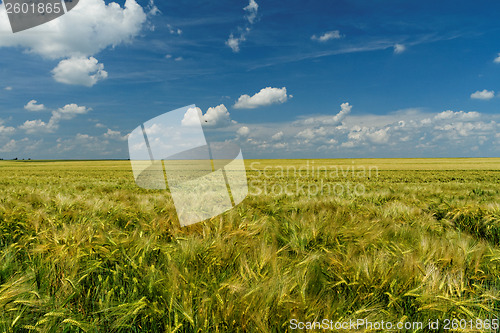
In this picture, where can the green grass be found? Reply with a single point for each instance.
(82, 248)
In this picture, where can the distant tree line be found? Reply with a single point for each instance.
(17, 159)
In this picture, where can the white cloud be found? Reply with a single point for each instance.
(404, 133)
(33, 106)
(465, 129)
(399, 48)
(367, 135)
(217, 116)
(380, 136)
(335, 34)
(79, 71)
(8, 147)
(35, 126)
(4, 130)
(99, 125)
(114, 135)
(458, 115)
(169, 56)
(86, 30)
(89, 28)
(484, 95)
(192, 117)
(214, 117)
(345, 109)
(264, 97)
(278, 136)
(497, 59)
(67, 112)
(243, 131)
(251, 10)
(8, 88)
(234, 41)
(312, 133)
(153, 10)
(174, 31)
(83, 137)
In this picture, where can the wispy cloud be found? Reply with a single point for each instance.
(174, 31)
(354, 47)
(399, 48)
(497, 59)
(235, 39)
(335, 34)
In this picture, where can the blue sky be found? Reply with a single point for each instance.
(322, 79)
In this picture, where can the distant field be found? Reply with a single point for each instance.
(82, 248)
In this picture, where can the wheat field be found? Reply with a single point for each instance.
(83, 249)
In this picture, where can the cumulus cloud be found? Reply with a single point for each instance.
(217, 116)
(484, 95)
(277, 136)
(497, 59)
(192, 117)
(114, 135)
(79, 71)
(8, 147)
(312, 133)
(89, 28)
(457, 115)
(466, 129)
(86, 30)
(6, 130)
(35, 126)
(264, 97)
(33, 106)
(406, 133)
(251, 10)
(243, 131)
(83, 137)
(67, 112)
(375, 136)
(214, 117)
(345, 109)
(8, 88)
(335, 34)
(399, 48)
(235, 40)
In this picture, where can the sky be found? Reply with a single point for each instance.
(294, 79)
